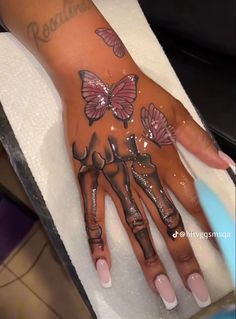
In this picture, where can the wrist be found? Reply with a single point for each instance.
(70, 51)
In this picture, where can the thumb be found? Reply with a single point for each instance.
(197, 140)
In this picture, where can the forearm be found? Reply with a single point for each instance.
(62, 36)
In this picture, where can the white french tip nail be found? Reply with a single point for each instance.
(199, 289)
(170, 305)
(228, 160)
(233, 168)
(202, 304)
(103, 273)
(107, 284)
(166, 291)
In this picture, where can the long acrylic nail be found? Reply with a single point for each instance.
(227, 159)
(103, 273)
(166, 291)
(199, 290)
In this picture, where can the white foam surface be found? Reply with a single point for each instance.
(33, 108)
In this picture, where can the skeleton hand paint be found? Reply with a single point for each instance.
(119, 127)
(122, 146)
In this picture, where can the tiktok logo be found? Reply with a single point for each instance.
(181, 234)
(175, 234)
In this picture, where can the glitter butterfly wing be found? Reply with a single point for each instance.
(112, 40)
(122, 96)
(156, 126)
(119, 48)
(95, 92)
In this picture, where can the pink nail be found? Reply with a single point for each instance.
(103, 273)
(199, 290)
(166, 291)
(228, 160)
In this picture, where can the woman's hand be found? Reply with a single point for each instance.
(120, 128)
(120, 132)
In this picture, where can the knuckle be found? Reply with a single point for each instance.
(185, 257)
(177, 103)
(180, 109)
(173, 219)
(205, 140)
(136, 222)
(182, 115)
(195, 204)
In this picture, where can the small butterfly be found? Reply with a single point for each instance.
(100, 97)
(112, 40)
(156, 126)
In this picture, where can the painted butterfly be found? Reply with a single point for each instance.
(112, 40)
(100, 97)
(156, 126)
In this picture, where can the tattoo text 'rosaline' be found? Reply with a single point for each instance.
(41, 33)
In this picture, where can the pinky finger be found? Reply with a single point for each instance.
(94, 215)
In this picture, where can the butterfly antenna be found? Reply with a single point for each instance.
(81, 74)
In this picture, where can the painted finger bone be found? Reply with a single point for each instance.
(117, 175)
(88, 183)
(146, 176)
(77, 155)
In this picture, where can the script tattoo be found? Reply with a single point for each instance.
(42, 33)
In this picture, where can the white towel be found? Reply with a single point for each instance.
(33, 108)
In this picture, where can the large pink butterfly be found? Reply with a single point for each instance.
(100, 97)
(156, 126)
(112, 40)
